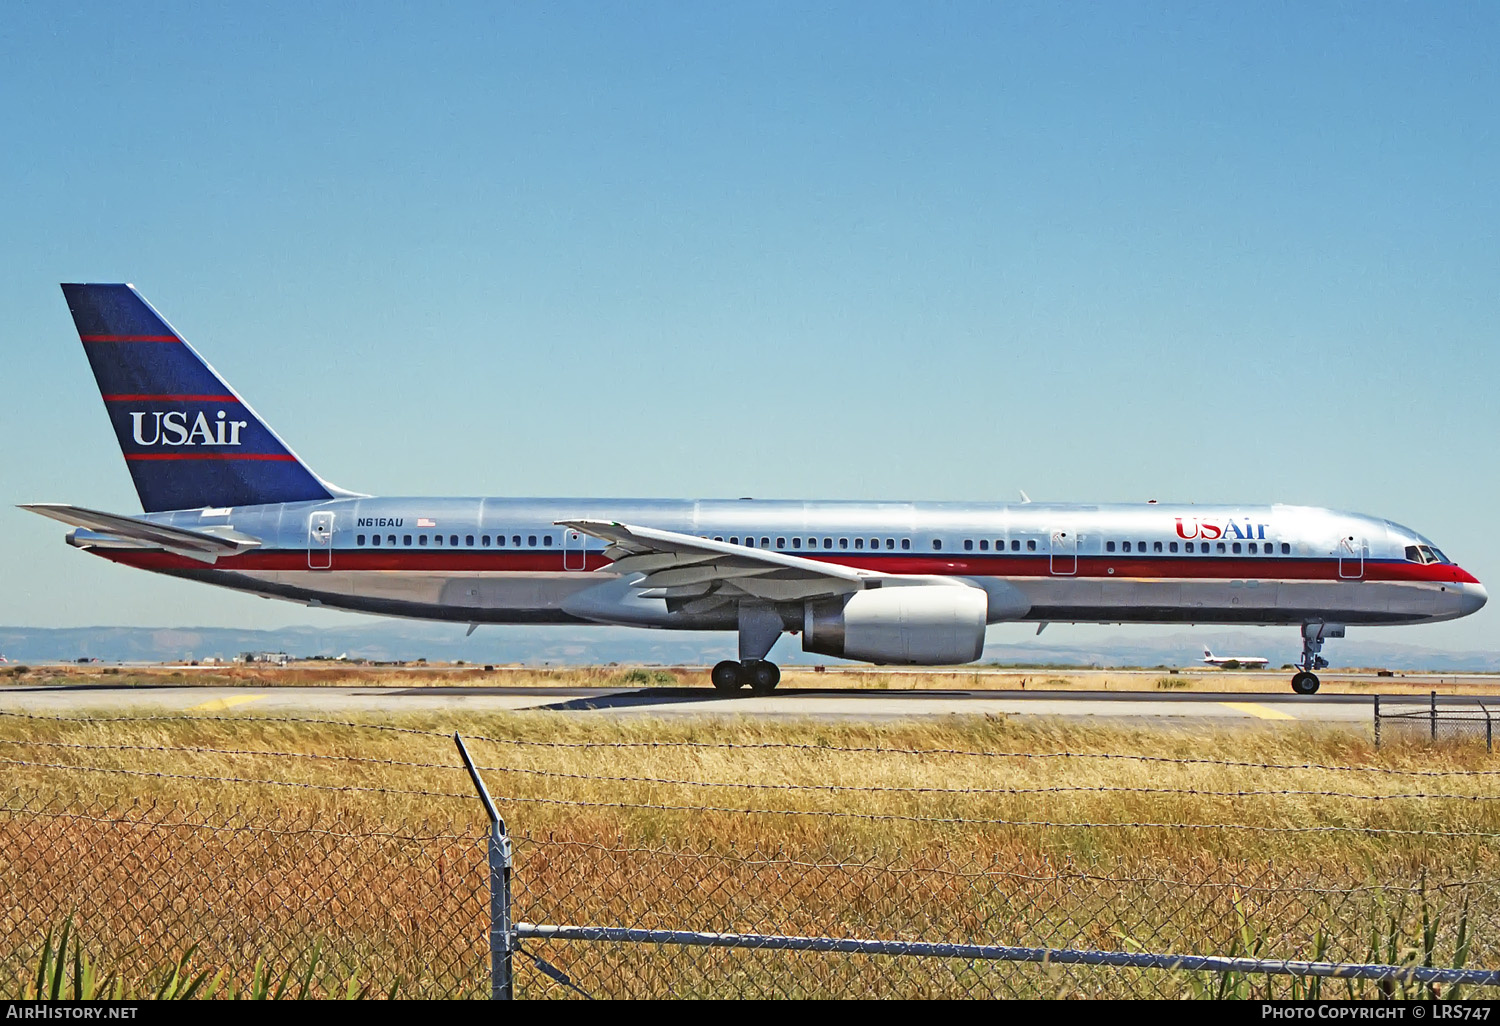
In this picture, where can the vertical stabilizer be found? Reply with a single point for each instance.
(188, 438)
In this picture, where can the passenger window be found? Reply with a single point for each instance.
(874, 543)
(968, 544)
(406, 539)
(781, 543)
(1172, 546)
(484, 540)
(531, 540)
(1124, 546)
(890, 543)
(391, 540)
(374, 539)
(453, 539)
(765, 543)
(859, 543)
(1286, 550)
(1109, 546)
(1156, 546)
(734, 539)
(437, 539)
(843, 543)
(828, 543)
(1030, 544)
(1220, 546)
(717, 538)
(796, 543)
(1015, 545)
(421, 539)
(937, 543)
(1189, 546)
(360, 540)
(906, 543)
(1140, 546)
(984, 545)
(1253, 549)
(469, 541)
(1236, 548)
(812, 543)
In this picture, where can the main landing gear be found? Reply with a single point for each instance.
(760, 675)
(1305, 681)
(760, 625)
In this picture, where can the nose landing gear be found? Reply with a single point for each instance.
(1305, 681)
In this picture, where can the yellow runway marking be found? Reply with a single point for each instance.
(1261, 711)
(220, 704)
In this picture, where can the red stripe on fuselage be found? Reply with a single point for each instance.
(463, 560)
(130, 338)
(171, 398)
(282, 456)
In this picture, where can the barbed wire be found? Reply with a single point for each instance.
(980, 821)
(866, 859)
(770, 745)
(827, 813)
(234, 780)
(987, 791)
(150, 824)
(763, 786)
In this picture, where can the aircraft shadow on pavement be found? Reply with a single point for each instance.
(690, 696)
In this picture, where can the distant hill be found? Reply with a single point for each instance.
(561, 646)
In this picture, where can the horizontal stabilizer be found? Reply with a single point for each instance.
(207, 546)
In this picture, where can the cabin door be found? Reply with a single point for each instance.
(320, 541)
(573, 556)
(1063, 553)
(1351, 558)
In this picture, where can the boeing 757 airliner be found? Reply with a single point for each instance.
(227, 502)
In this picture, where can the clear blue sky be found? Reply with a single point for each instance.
(1099, 252)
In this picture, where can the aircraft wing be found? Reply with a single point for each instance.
(706, 573)
(129, 532)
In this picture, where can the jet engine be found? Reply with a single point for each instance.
(924, 624)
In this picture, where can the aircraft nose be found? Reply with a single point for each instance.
(1473, 599)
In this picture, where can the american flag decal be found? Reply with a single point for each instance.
(424, 522)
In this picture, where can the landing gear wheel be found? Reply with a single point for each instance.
(1305, 683)
(762, 676)
(726, 675)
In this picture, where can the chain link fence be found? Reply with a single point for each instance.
(351, 901)
(399, 913)
(1415, 720)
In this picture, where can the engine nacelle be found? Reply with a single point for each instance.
(925, 624)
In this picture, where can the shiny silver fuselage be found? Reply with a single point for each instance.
(443, 559)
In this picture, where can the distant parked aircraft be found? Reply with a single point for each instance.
(227, 502)
(1213, 660)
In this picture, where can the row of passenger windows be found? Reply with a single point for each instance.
(1253, 548)
(859, 544)
(374, 540)
(812, 543)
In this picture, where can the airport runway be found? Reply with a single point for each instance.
(795, 703)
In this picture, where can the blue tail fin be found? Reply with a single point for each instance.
(188, 438)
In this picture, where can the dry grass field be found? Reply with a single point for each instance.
(982, 678)
(1303, 842)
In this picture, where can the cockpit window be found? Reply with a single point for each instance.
(1425, 554)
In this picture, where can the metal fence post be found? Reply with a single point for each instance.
(1434, 716)
(502, 933)
(1377, 721)
(1488, 730)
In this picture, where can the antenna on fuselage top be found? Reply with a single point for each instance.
(1024, 496)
